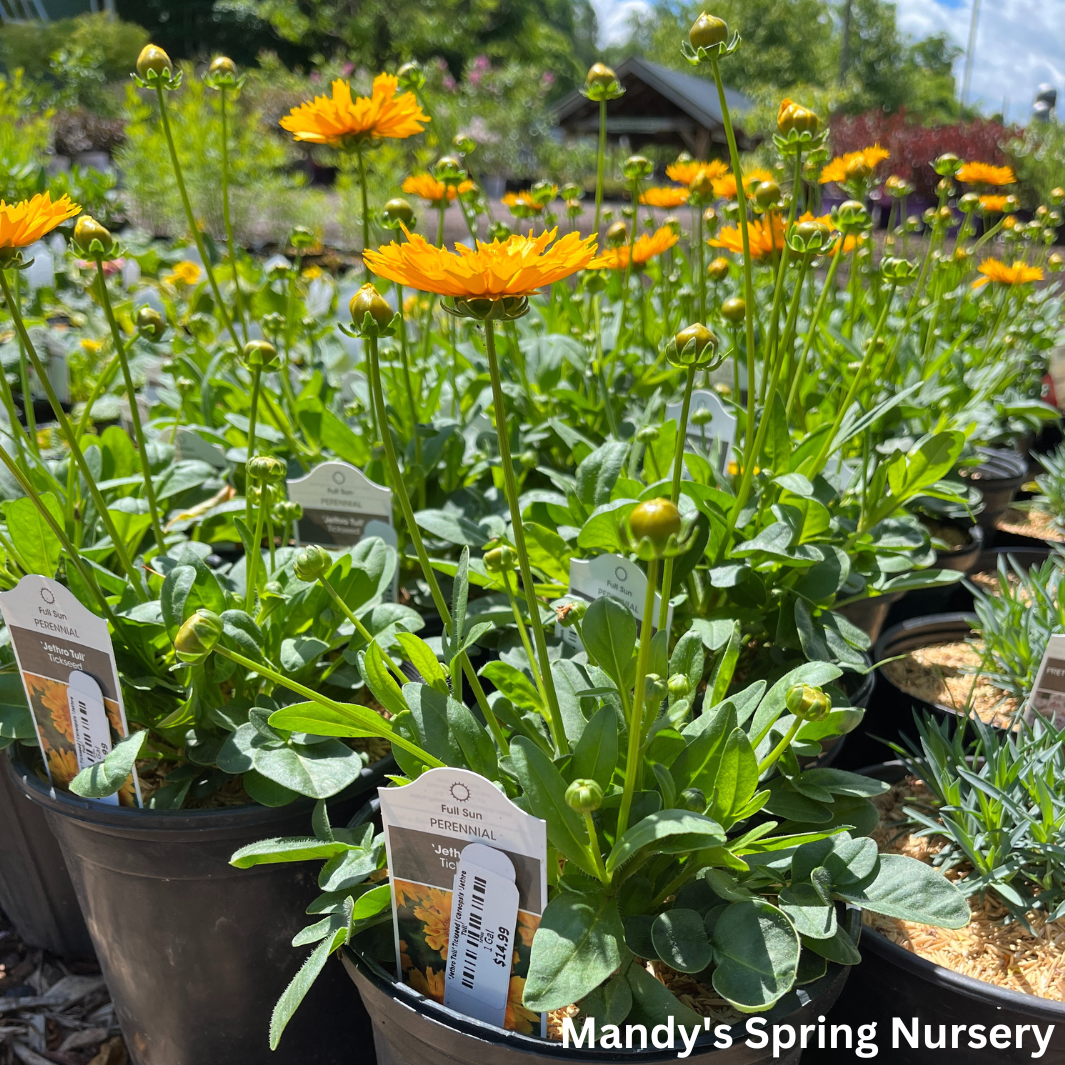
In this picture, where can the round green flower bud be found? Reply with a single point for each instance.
(273, 588)
(584, 796)
(969, 203)
(368, 301)
(708, 31)
(693, 345)
(153, 60)
(1056, 197)
(766, 194)
(702, 416)
(266, 469)
(150, 323)
(654, 687)
(1056, 261)
(222, 64)
(636, 167)
(734, 310)
(648, 434)
(947, 164)
(568, 614)
(311, 563)
(87, 231)
(807, 703)
(398, 210)
(679, 686)
(693, 800)
(259, 355)
(185, 386)
(600, 75)
(617, 234)
(503, 559)
(287, 511)
(198, 635)
(655, 520)
(718, 269)
(529, 459)
(410, 76)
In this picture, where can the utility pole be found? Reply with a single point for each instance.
(969, 52)
(845, 44)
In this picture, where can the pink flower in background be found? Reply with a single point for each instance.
(441, 63)
(449, 83)
(547, 79)
(474, 78)
(482, 64)
(315, 76)
(347, 69)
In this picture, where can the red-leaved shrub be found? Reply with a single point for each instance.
(914, 146)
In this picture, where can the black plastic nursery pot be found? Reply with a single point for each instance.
(870, 614)
(409, 1028)
(892, 982)
(964, 559)
(35, 889)
(999, 475)
(194, 951)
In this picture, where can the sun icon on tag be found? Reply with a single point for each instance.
(460, 793)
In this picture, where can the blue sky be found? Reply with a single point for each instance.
(1020, 43)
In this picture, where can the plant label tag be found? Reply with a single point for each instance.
(189, 445)
(444, 832)
(92, 734)
(484, 915)
(341, 506)
(592, 578)
(720, 429)
(67, 663)
(841, 471)
(1048, 691)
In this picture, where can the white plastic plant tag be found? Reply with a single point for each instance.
(1048, 691)
(92, 734)
(841, 470)
(341, 506)
(189, 445)
(720, 430)
(592, 578)
(446, 825)
(65, 657)
(484, 915)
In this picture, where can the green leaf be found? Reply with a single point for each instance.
(478, 750)
(839, 947)
(421, 656)
(452, 527)
(106, 777)
(653, 1002)
(670, 831)
(757, 954)
(596, 753)
(299, 653)
(736, 779)
(910, 891)
(545, 796)
(548, 552)
(352, 722)
(598, 472)
(460, 595)
(577, 946)
(811, 915)
(38, 547)
(317, 770)
(609, 631)
(265, 791)
(380, 681)
(514, 684)
(610, 1002)
(600, 531)
(680, 940)
(290, 849)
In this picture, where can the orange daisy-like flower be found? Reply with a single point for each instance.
(517, 266)
(521, 203)
(62, 764)
(668, 196)
(1004, 274)
(429, 983)
(428, 188)
(985, 174)
(685, 173)
(518, 1017)
(25, 222)
(766, 235)
(340, 119)
(994, 204)
(528, 923)
(725, 186)
(837, 169)
(646, 248)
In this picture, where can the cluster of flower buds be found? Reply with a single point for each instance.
(601, 84)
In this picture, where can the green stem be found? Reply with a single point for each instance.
(643, 658)
(780, 748)
(365, 209)
(555, 722)
(594, 849)
(523, 633)
(428, 572)
(600, 155)
(674, 494)
(191, 218)
(226, 219)
(811, 333)
(361, 629)
(134, 409)
(254, 556)
(256, 378)
(384, 731)
(135, 576)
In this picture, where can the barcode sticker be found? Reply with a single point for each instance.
(92, 734)
(484, 915)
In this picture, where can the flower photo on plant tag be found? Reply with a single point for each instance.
(1048, 691)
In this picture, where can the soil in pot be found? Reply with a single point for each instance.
(1029, 527)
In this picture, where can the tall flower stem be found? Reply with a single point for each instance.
(636, 730)
(555, 722)
(599, 157)
(365, 209)
(793, 394)
(404, 354)
(428, 572)
(674, 492)
(27, 392)
(134, 409)
(700, 285)
(239, 296)
(135, 576)
(254, 556)
(256, 381)
(197, 236)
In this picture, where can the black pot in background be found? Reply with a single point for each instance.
(870, 614)
(195, 952)
(35, 889)
(998, 476)
(894, 982)
(921, 601)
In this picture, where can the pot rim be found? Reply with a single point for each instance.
(969, 986)
(135, 818)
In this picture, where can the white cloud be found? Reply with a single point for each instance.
(614, 18)
(1019, 45)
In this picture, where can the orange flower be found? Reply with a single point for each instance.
(518, 1018)
(528, 923)
(185, 272)
(1017, 274)
(428, 188)
(646, 248)
(342, 121)
(63, 765)
(684, 173)
(430, 984)
(25, 222)
(837, 169)
(994, 204)
(765, 233)
(725, 186)
(985, 174)
(518, 266)
(521, 204)
(668, 196)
